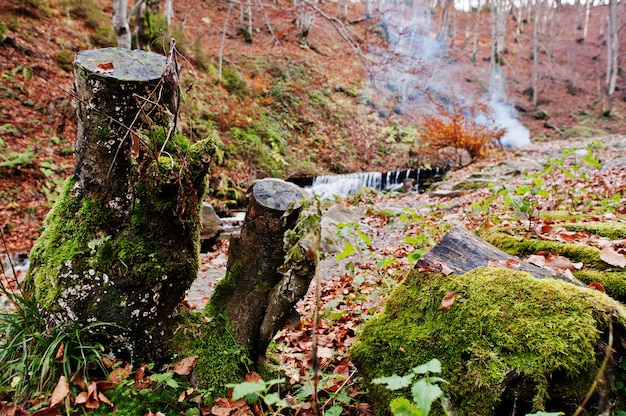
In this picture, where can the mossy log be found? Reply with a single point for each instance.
(263, 279)
(462, 251)
(509, 343)
(121, 245)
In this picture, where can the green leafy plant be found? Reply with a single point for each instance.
(33, 357)
(261, 391)
(424, 391)
(15, 159)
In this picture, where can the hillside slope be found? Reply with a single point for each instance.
(347, 99)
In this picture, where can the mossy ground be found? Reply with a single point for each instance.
(221, 361)
(503, 323)
(612, 278)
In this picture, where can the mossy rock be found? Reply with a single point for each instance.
(517, 246)
(508, 336)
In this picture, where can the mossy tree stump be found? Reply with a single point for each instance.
(121, 244)
(270, 265)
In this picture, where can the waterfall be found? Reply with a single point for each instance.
(330, 186)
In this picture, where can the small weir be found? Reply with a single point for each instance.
(329, 186)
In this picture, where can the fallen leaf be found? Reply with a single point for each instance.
(13, 411)
(185, 394)
(512, 263)
(446, 270)
(185, 366)
(252, 377)
(536, 260)
(48, 411)
(61, 390)
(559, 262)
(60, 353)
(90, 397)
(612, 257)
(120, 374)
(447, 301)
(104, 399)
(597, 286)
(104, 68)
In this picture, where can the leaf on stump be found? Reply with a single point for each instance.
(559, 262)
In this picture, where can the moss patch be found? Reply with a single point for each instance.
(503, 324)
(126, 260)
(220, 360)
(595, 269)
(515, 246)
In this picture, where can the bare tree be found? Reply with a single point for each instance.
(612, 55)
(168, 11)
(446, 22)
(305, 10)
(498, 31)
(535, 53)
(120, 23)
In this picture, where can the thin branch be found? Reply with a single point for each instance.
(268, 24)
(598, 380)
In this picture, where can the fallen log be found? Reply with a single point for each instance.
(461, 251)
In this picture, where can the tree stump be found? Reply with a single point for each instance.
(269, 265)
(121, 245)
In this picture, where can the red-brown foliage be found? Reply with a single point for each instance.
(455, 127)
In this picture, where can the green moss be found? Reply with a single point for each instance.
(220, 361)
(561, 216)
(611, 230)
(515, 246)
(613, 282)
(65, 59)
(502, 322)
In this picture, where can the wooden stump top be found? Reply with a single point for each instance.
(276, 194)
(122, 64)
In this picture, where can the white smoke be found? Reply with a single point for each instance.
(505, 115)
(417, 62)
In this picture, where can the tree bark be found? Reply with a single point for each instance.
(121, 244)
(120, 23)
(462, 251)
(264, 279)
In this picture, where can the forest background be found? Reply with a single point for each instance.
(292, 88)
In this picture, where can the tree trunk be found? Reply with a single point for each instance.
(268, 271)
(461, 251)
(121, 244)
(612, 58)
(120, 23)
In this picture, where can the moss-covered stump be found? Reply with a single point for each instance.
(270, 265)
(514, 241)
(121, 245)
(508, 339)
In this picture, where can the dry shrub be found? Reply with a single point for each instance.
(456, 127)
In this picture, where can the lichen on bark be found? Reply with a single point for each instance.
(121, 245)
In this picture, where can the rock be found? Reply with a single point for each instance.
(212, 226)
(333, 216)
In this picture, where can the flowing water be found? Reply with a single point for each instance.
(330, 186)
